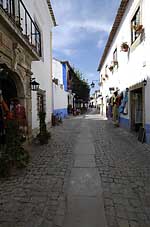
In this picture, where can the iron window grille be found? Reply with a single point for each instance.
(19, 15)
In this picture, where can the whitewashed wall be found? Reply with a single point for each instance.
(60, 100)
(60, 96)
(133, 67)
(42, 69)
(57, 71)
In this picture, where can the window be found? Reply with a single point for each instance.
(115, 55)
(115, 59)
(134, 23)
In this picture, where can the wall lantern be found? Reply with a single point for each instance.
(144, 82)
(34, 85)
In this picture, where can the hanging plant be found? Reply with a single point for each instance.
(55, 81)
(111, 68)
(103, 78)
(124, 47)
(106, 76)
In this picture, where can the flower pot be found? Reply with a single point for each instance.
(138, 28)
(115, 63)
(124, 47)
(111, 68)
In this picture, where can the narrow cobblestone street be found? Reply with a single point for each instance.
(30, 198)
(38, 195)
(123, 164)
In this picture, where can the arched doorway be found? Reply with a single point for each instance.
(8, 87)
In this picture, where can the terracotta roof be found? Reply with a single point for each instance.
(51, 12)
(114, 29)
(67, 63)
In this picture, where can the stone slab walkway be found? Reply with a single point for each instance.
(85, 206)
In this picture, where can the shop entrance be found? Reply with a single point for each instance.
(136, 109)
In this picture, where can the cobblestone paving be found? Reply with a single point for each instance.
(124, 167)
(32, 197)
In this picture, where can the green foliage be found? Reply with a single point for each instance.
(79, 86)
(12, 154)
(44, 135)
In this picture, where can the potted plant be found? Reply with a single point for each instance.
(115, 63)
(138, 28)
(18, 23)
(43, 135)
(103, 79)
(33, 45)
(26, 37)
(106, 76)
(55, 81)
(111, 68)
(124, 47)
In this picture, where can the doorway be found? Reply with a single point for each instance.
(7, 86)
(137, 107)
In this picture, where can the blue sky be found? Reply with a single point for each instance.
(82, 32)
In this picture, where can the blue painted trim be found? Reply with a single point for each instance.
(147, 132)
(63, 112)
(124, 122)
(147, 128)
(64, 76)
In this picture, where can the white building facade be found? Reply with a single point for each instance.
(43, 15)
(26, 53)
(60, 93)
(125, 64)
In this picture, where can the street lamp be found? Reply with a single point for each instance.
(93, 84)
(34, 85)
(144, 82)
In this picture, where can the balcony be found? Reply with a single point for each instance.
(20, 17)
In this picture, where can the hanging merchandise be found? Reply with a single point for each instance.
(125, 111)
(123, 108)
(3, 114)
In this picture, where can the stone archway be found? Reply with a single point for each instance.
(11, 85)
(16, 84)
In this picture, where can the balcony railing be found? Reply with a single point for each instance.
(17, 11)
